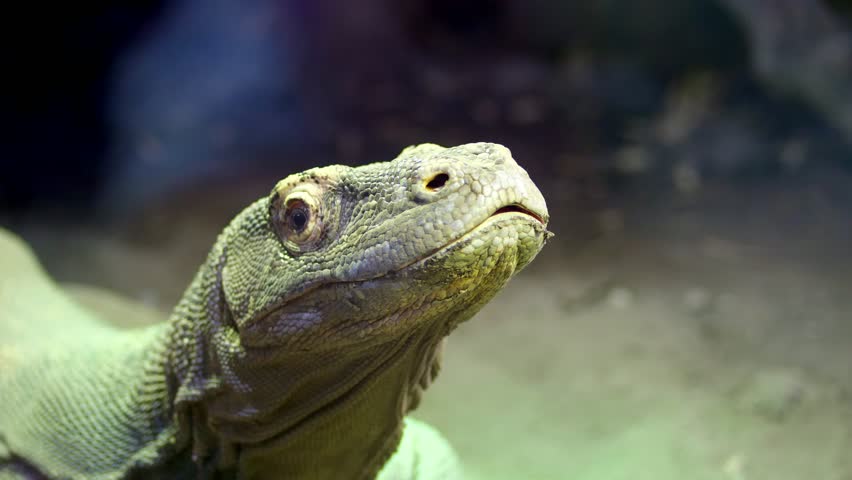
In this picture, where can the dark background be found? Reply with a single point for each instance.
(110, 108)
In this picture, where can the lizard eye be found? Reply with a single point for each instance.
(297, 215)
(298, 221)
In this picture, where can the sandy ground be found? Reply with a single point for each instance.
(658, 336)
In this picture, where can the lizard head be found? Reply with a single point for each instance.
(322, 308)
(341, 256)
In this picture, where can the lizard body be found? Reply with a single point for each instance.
(305, 338)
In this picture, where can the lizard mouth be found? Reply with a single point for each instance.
(518, 208)
(515, 209)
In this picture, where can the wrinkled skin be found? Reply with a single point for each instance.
(309, 333)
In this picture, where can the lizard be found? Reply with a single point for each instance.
(297, 351)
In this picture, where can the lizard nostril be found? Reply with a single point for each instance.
(437, 182)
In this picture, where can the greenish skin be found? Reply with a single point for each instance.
(309, 333)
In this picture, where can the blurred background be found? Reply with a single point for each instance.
(691, 319)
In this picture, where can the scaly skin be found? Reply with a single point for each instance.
(311, 330)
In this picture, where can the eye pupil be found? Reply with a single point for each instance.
(298, 219)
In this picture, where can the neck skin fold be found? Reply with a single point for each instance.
(299, 415)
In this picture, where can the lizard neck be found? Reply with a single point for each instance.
(282, 414)
(342, 419)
